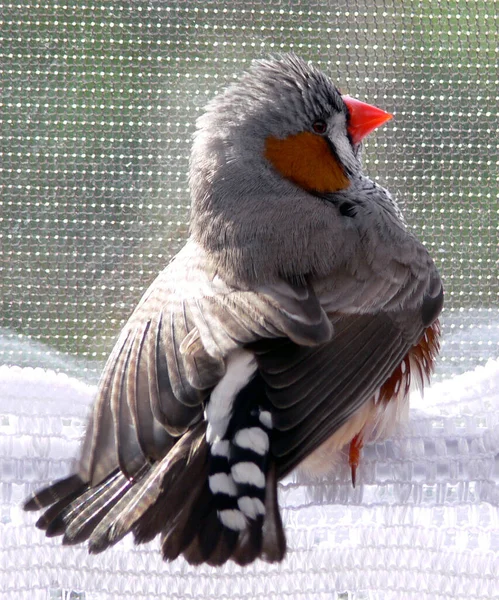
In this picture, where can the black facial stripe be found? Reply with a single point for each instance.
(347, 209)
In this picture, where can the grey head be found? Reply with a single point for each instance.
(266, 152)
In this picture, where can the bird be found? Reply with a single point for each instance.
(285, 334)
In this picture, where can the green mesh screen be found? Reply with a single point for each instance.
(97, 108)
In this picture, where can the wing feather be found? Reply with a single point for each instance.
(325, 386)
(130, 455)
(99, 454)
(322, 348)
(153, 435)
(140, 412)
(81, 520)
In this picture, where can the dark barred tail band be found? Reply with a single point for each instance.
(239, 461)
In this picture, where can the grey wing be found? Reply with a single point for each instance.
(143, 464)
(145, 444)
(172, 353)
(378, 320)
(314, 391)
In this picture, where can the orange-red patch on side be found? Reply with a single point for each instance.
(354, 455)
(421, 356)
(307, 160)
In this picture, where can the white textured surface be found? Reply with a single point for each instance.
(423, 522)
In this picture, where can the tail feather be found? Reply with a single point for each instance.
(59, 491)
(178, 535)
(152, 521)
(212, 542)
(204, 540)
(209, 540)
(274, 539)
(224, 548)
(249, 545)
(81, 522)
(156, 498)
(180, 490)
(172, 498)
(199, 535)
(210, 535)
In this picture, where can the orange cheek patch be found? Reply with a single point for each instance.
(307, 160)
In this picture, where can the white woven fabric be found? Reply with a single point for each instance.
(422, 523)
(97, 111)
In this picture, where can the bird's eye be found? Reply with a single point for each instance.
(319, 126)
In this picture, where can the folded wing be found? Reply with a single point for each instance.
(143, 465)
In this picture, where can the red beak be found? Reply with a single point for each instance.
(364, 118)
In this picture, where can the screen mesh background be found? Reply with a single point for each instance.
(97, 109)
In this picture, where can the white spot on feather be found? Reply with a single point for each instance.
(266, 419)
(252, 438)
(248, 472)
(251, 507)
(221, 448)
(222, 483)
(232, 518)
(403, 367)
(240, 366)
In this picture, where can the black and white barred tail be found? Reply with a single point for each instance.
(213, 498)
(239, 425)
(239, 461)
